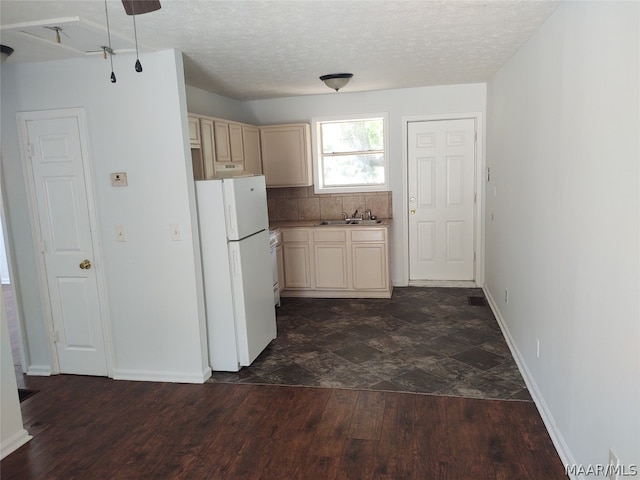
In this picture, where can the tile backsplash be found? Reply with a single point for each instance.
(301, 203)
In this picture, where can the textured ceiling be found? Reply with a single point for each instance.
(250, 49)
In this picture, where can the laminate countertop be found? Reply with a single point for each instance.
(385, 222)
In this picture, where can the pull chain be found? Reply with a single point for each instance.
(135, 35)
(106, 12)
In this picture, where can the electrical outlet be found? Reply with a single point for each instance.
(613, 463)
(506, 296)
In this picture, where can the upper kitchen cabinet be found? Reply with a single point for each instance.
(223, 146)
(235, 142)
(194, 131)
(202, 147)
(286, 155)
(251, 148)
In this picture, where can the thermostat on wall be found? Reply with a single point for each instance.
(119, 179)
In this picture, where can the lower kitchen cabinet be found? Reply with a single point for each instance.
(297, 258)
(331, 270)
(346, 262)
(369, 262)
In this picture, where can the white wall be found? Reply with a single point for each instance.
(207, 103)
(4, 264)
(138, 126)
(563, 149)
(12, 434)
(398, 103)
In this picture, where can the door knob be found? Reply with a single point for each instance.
(413, 211)
(85, 264)
(412, 199)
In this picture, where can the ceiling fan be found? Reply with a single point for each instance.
(138, 7)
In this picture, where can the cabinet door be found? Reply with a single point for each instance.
(235, 142)
(223, 151)
(286, 155)
(369, 262)
(207, 147)
(194, 131)
(331, 265)
(251, 144)
(280, 262)
(296, 265)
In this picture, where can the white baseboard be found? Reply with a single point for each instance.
(39, 370)
(556, 436)
(443, 283)
(155, 376)
(14, 442)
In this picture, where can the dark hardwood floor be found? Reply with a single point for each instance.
(97, 428)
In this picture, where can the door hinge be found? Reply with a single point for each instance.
(56, 336)
(474, 256)
(475, 197)
(29, 150)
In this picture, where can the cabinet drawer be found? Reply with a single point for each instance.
(295, 235)
(324, 235)
(368, 235)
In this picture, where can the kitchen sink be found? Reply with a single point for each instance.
(349, 221)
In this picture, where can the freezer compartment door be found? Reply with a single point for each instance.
(252, 284)
(245, 200)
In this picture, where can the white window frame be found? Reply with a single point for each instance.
(318, 185)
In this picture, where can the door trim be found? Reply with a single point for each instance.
(78, 112)
(480, 167)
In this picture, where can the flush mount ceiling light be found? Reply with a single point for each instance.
(5, 51)
(336, 80)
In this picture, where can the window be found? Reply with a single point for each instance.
(350, 153)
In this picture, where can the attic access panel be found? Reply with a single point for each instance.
(78, 37)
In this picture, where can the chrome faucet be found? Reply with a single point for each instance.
(344, 215)
(367, 214)
(355, 215)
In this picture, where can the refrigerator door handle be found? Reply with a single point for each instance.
(235, 267)
(231, 221)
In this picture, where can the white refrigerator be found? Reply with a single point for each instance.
(236, 265)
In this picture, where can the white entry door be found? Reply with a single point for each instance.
(56, 156)
(441, 168)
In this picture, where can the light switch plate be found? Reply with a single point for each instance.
(119, 179)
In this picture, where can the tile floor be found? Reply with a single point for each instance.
(422, 340)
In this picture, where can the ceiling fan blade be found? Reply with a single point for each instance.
(138, 7)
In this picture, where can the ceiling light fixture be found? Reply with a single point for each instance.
(6, 52)
(336, 80)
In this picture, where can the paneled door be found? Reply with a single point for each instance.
(60, 190)
(441, 172)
